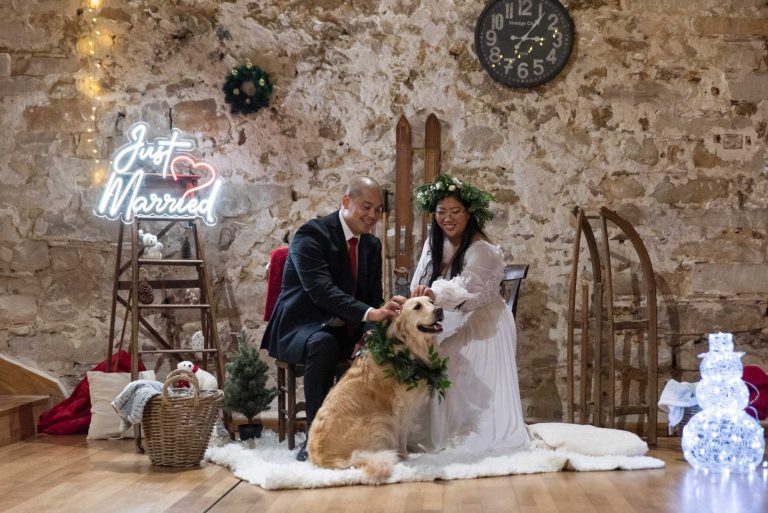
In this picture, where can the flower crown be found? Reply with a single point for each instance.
(478, 202)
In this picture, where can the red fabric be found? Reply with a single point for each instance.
(277, 259)
(353, 257)
(72, 416)
(758, 391)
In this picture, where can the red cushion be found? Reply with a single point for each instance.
(277, 259)
(757, 382)
(72, 416)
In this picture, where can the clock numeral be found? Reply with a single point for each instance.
(490, 37)
(558, 39)
(554, 19)
(552, 56)
(524, 7)
(510, 64)
(509, 10)
(522, 70)
(497, 22)
(538, 67)
(495, 55)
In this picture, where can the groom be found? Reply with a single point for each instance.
(331, 286)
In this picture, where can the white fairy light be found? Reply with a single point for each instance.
(722, 437)
(92, 86)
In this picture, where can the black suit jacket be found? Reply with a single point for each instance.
(317, 287)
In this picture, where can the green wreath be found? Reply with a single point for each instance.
(406, 368)
(247, 89)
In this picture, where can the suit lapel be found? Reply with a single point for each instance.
(337, 234)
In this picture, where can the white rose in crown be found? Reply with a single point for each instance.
(206, 379)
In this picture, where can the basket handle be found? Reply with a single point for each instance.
(182, 375)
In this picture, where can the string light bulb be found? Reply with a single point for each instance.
(94, 90)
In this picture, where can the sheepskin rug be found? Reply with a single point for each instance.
(266, 463)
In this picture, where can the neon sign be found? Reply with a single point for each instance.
(142, 170)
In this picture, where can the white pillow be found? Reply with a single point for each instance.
(586, 439)
(105, 386)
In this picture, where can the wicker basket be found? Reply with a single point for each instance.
(177, 429)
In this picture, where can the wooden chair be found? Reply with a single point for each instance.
(288, 408)
(514, 274)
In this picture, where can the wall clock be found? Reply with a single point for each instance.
(524, 43)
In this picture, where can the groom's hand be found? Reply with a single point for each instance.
(389, 310)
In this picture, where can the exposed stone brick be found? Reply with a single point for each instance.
(750, 88)
(729, 279)
(5, 65)
(59, 115)
(725, 25)
(199, 116)
(697, 192)
(15, 309)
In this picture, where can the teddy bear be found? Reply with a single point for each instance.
(207, 380)
(152, 247)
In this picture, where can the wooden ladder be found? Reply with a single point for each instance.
(206, 306)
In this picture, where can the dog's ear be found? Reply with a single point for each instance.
(397, 328)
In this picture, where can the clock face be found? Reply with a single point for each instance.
(524, 43)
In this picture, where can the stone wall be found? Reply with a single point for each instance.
(661, 115)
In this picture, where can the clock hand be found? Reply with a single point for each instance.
(525, 36)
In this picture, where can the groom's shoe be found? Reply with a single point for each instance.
(302, 454)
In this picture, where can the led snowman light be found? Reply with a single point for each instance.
(722, 437)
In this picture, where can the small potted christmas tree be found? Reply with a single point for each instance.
(246, 388)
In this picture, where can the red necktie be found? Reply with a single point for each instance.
(352, 267)
(353, 257)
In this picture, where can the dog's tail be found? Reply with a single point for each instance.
(377, 465)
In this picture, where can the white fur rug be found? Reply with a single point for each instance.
(270, 465)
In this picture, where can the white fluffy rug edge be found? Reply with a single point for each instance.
(270, 465)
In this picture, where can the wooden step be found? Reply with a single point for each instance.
(18, 416)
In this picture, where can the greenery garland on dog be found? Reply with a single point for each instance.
(406, 368)
(247, 89)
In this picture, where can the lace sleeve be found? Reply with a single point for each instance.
(478, 283)
(423, 268)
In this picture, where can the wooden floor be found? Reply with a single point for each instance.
(70, 474)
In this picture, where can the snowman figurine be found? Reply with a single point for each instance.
(722, 437)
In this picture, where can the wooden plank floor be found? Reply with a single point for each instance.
(72, 475)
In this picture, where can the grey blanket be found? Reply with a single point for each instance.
(129, 404)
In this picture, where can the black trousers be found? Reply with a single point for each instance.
(324, 350)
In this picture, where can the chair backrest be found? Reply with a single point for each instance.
(514, 274)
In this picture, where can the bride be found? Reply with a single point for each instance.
(461, 270)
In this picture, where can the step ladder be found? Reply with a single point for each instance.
(131, 267)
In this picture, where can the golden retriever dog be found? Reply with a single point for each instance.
(364, 420)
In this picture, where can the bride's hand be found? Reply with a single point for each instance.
(423, 290)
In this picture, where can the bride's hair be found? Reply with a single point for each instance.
(436, 247)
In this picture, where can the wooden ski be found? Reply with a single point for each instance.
(403, 208)
(431, 164)
(386, 279)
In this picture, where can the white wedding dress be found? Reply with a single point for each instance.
(481, 411)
